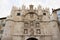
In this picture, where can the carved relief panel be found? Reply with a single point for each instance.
(31, 21)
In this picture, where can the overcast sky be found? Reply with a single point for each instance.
(6, 5)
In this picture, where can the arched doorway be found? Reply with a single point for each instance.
(32, 38)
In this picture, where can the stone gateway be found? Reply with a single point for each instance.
(31, 24)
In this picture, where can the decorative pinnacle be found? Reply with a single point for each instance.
(23, 6)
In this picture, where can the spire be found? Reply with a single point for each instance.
(23, 7)
(39, 7)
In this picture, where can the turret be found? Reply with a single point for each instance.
(46, 14)
(54, 15)
(31, 7)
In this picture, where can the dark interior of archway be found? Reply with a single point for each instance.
(32, 39)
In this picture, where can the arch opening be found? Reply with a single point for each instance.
(32, 38)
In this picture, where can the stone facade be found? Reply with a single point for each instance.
(31, 24)
(2, 25)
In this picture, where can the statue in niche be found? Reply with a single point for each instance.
(31, 23)
(31, 15)
(31, 32)
(26, 24)
(37, 24)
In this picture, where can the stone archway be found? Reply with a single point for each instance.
(32, 38)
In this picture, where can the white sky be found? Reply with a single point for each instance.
(6, 5)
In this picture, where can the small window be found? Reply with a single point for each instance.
(25, 31)
(44, 13)
(18, 14)
(38, 31)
